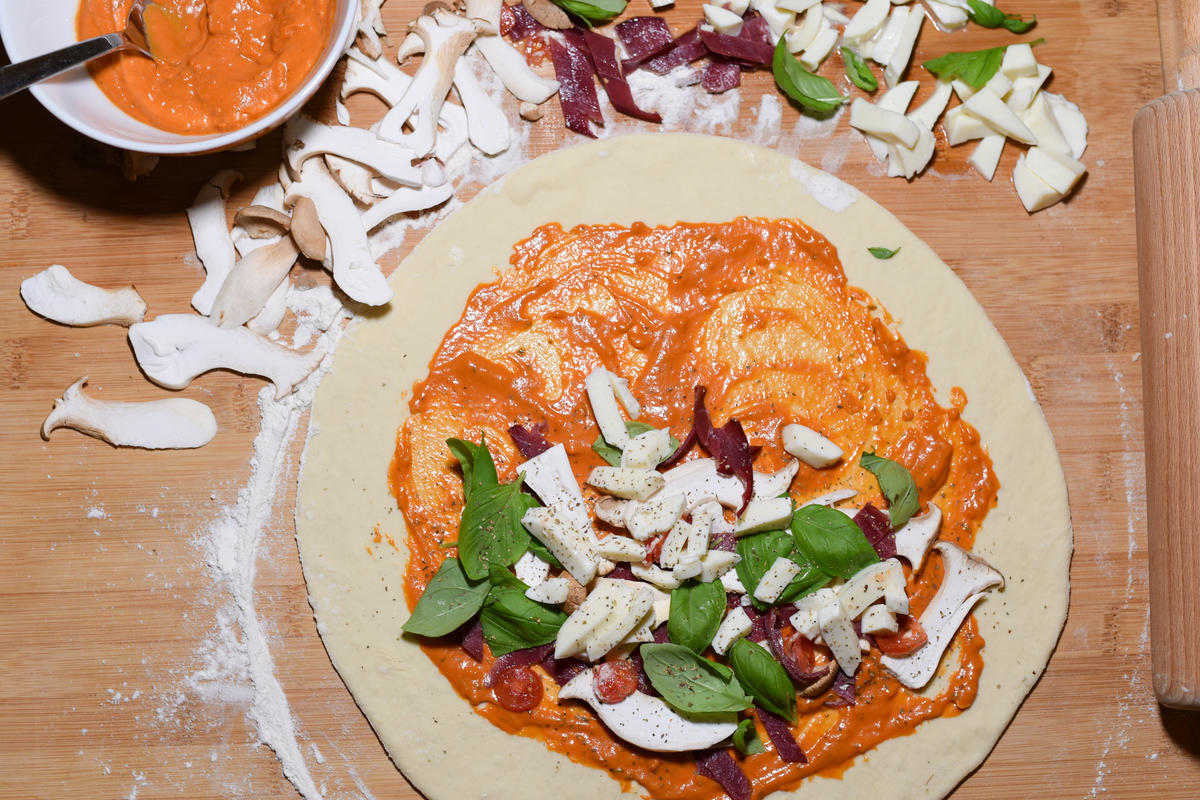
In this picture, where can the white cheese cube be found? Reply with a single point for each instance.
(768, 485)
(716, 564)
(1034, 192)
(778, 20)
(809, 446)
(835, 16)
(907, 162)
(962, 89)
(735, 625)
(608, 599)
(603, 399)
(730, 581)
(926, 114)
(805, 619)
(697, 541)
(711, 517)
(896, 98)
(655, 516)
(988, 106)
(531, 570)
(1000, 84)
(898, 63)
(630, 484)
(552, 591)
(866, 22)
(797, 6)
(673, 545)
(644, 632)
(1070, 121)
(764, 515)
(619, 624)
(625, 397)
(1019, 61)
(645, 450)
(621, 548)
(986, 157)
(820, 47)
(1061, 172)
(723, 20)
(653, 575)
(963, 126)
(1041, 121)
(550, 477)
(950, 17)
(776, 579)
(687, 569)
(878, 619)
(889, 126)
(801, 35)
(840, 638)
(739, 7)
(562, 537)
(1025, 89)
(658, 5)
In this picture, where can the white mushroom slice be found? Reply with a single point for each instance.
(353, 177)
(370, 26)
(988, 106)
(175, 423)
(829, 498)
(531, 570)
(173, 349)
(915, 537)
(272, 313)
(646, 450)
(307, 231)
(514, 72)
(563, 536)
(867, 21)
(552, 591)
(654, 516)
(57, 295)
(884, 579)
(898, 63)
(446, 38)
(609, 598)
(620, 624)
(305, 138)
(768, 485)
(622, 548)
(603, 400)
(716, 564)
(877, 619)
(809, 446)
(487, 127)
(966, 579)
(804, 621)
(838, 633)
(926, 114)
(776, 579)
(411, 46)
(698, 481)
(612, 510)
(214, 245)
(354, 269)
(730, 581)
(405, 200)
(764, 515)
(631, 484)
(653, 575)
(262, 222)
(737, 623)
(648, 722)
(252, 282)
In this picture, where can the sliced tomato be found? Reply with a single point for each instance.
(654, 548)
(518, 689)
(809, 656)
(908, 637)
(616, 680)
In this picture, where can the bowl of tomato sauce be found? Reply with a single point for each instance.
(225, 71)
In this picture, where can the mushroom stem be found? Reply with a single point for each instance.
(57, 295)
(214, 244)
(252, 282)
(306, 138)
(487, 127)
(174, 423)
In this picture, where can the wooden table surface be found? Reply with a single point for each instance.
(108, 613)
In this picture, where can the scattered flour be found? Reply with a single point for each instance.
(767, 120)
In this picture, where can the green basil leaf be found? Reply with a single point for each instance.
(690, 683)
(858, 71)
(478, 468)
(746, 739)
(592, 11)
(758, 552)
(696, 612)
(511, 621)
(1015, 24)
(449, 600)
(764, 678)
(541, 551)
(975, 67)
(989, 16)
(811, 91)
(882, 253)
(897, 485)
(829, 539)
(490, 532)
(805, 583)
(634, 428)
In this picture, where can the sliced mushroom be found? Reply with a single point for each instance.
(549, 14)
(353, 177)
(354, 268)
(252, 282)
(915, 537)
(306, 138)
(370, 27)
(175, 423)
(405, 200)
(261, 222)
(508, 62)
(820, 685)
(214, 244)
(272, 312)
(411, 46)
(446, 38)
(487, 127)
(307, 231)
(57, 295)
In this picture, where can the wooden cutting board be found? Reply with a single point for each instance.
(108, 611)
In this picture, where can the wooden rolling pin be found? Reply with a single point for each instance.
(1166, 160)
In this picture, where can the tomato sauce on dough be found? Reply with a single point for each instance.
(220, 64)
(759, 312)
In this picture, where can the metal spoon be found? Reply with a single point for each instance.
(24, 74)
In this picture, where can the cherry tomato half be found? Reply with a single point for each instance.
(905, 640)
(518, 689)
(616, 680)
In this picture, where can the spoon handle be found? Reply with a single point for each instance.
(23, 74)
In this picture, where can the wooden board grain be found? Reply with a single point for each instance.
(108, 612)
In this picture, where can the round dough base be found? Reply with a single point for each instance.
(447, 750)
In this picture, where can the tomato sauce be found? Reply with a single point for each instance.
(759, 311)
(219, 64)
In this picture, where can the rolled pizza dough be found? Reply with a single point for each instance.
(446, 749)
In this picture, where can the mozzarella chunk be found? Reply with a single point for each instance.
(645, 450)
(891, 126)
(988, 106)
(884, 43)
(907, 162)
(711, 517)
(1019, 61)
(648, 722)
(644, 632)
(621, 623)
(1000, 84)
(809, 446)
(550, 477)
(1070, 121)
(866, 22)
(599, 385)
(621, 548)
(776, 579)
(699, 482)
(963, 126)
(730, 581)
(764, 515)
(884, 579)
(620, 388)
(805, 619)
(839, 636)
(630, 484)
(687, 569)
(767, 485)
(654, 516)
(778, 19)
(736, 624)
(531, 570)
(656, 576)
(613, 510)
(926, 115)
(877, 619)
(986, 157)
(1034, 192)
(697, 541)
(820, 47)
(898, 63)
(798, 6)
(607, 600)
(913, 540)
(801, 35)
(1025, 89)
(723, 20)
(1061, 172)
(563, 537)
(552, 591)
(949, 16)
(895, 99)
(1041, 121)
(717, 564)
(673, 545)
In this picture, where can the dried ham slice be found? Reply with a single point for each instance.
(721, 767)
(877, 527)
(604, 56)
(752, 45)
(644, 38)
(721, 76)
(519, 24)
(530, 441)
(687, 48)
(576, 90)
(781, 736)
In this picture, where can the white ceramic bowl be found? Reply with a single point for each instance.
(32, 27)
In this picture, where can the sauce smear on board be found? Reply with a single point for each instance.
(219, 64)
(760, 313)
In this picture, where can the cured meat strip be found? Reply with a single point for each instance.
(576, 90)
(604, 56)
(644, 38)
(687, 48)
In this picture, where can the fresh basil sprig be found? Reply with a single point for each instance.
(763, 678)
(449, 600)
(692, 684)
(882, 253)
(975, 67)
(758, 552)
(811, 91)
(746, 739)
(858, 71)
(593, 12)
(634, 428)
(830, 540)
(490, 531)
(897, 485)
(478, 468)
(696, 611)
(989, 16)
(511, 621)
